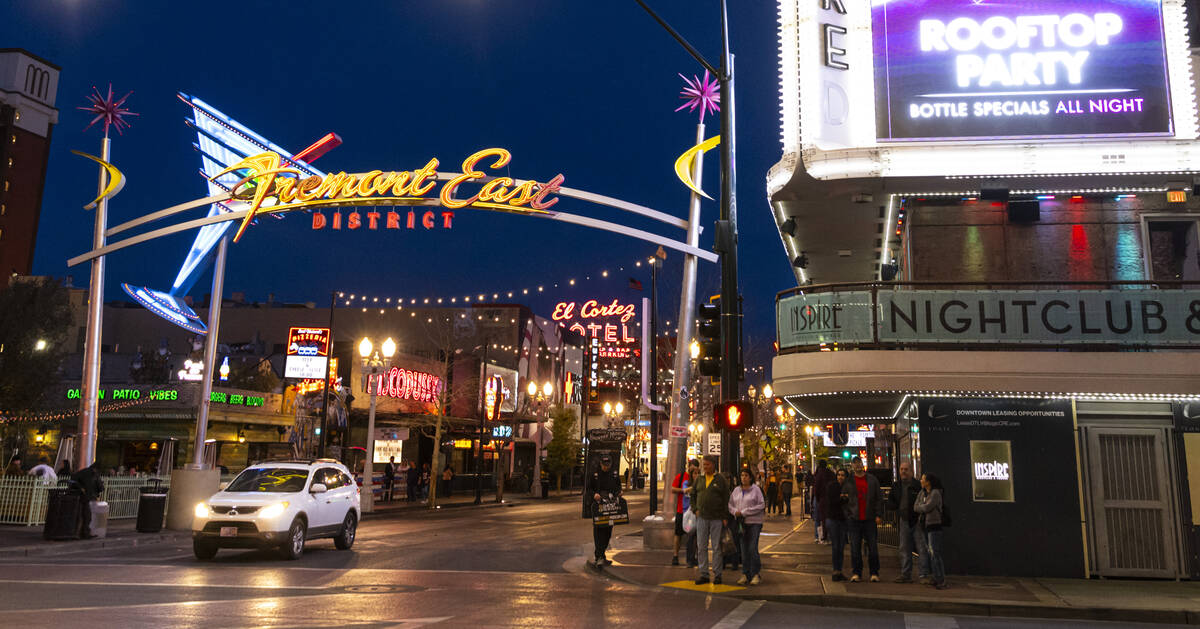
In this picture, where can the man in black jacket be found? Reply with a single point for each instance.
(912, 537)
(602, 485)
(89, 481)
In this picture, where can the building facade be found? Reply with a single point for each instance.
(28, 89)
(997, 272)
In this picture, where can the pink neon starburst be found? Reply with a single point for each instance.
(703, 93)
(112, 112)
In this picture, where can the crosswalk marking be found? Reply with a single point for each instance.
(739, 616)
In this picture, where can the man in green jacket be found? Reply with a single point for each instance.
(710, 501)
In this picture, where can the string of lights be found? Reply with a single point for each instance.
(349, 299)
(60, 415)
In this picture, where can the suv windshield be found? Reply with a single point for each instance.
(272, 479)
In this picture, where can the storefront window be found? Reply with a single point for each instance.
(1173, 250)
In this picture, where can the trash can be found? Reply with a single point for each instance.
(99, 518)
(62, 513)
(152, 507)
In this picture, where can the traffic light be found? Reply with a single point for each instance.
(709, 334)
(733, 416)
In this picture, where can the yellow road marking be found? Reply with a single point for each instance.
(707, 587)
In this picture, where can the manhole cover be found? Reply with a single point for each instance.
(380, 589)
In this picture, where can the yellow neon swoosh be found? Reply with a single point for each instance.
(683, 165)
(116, 180)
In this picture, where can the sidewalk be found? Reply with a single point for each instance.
(796, 570)
(465, 499)
(27, 541)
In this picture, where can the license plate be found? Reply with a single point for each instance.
(228, 531)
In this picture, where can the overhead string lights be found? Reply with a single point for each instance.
(397, 302)
(60, 415)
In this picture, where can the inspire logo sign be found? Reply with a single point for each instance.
(991, 471)
(958, 69)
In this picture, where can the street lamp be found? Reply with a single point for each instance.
(540, 399)
(372, 360)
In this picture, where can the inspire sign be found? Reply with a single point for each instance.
(958, 69)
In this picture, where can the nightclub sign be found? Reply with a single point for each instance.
(1050, 317)
(272, 188)
(965, 69)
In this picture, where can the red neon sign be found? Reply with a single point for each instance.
(591, 309)
(403, 384)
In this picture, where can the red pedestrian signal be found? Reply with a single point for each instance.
(733, 416)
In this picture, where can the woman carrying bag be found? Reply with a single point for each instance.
(747, 505)
(930, 504)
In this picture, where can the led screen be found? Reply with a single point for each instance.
(1002, 69)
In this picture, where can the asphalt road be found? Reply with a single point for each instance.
(496, 567)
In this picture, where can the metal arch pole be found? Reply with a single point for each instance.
(89, 411)
(677, 448)
(210, 353)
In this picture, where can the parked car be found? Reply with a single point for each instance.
(279, 504)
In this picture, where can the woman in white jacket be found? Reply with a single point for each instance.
(747, 505)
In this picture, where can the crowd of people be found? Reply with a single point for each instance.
(719, 523)
(416, 481)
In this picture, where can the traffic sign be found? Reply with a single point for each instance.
(679, 432)
(714, 444)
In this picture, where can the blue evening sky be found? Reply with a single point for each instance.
(587, 89)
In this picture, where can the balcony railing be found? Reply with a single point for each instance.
(1079, 316)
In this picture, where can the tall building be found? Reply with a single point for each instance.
(28, 87)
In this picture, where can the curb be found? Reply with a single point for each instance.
(424, 509)
(950, 608)
(64, 547)
(996, 610)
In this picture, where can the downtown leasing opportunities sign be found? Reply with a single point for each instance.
(1147, 318)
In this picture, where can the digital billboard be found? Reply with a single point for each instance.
(992, 69)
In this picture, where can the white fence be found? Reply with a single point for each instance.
(23, 499)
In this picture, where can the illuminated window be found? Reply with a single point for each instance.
(6, 185)
(3, 209)
(1, 233)
(13, 139)
(10, 162)
(17, 115)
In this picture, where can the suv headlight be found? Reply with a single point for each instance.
(202, 510)
(273, 511)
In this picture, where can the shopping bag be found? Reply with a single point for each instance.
(689, 521)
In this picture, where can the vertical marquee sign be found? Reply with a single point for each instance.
(493, 397)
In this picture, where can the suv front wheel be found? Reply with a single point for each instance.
(293, 546)
(204, 551)
(345, 539)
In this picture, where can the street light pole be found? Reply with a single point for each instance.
(328, 378)
(372, 359)
(482, 412)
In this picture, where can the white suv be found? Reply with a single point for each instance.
(279, 504)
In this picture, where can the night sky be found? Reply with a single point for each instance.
(587, 89)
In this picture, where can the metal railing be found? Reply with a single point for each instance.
(23, 499)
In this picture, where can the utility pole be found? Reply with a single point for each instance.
(654, 264)
(726, 229)
(328, 379)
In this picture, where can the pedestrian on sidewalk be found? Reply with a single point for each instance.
(930, 504)
(14, 467)
(89, 480)
(864, 504)
(835, 524)
(447, 478)
(820, 509)
(772, 493)
(746, 503)
(710, 501)
(412, 479)
(681, 487)
(64, 471)
(389, 478)
(912, 534)
(43, 471)
(785, 489)
(425, 474)
(603, 484)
